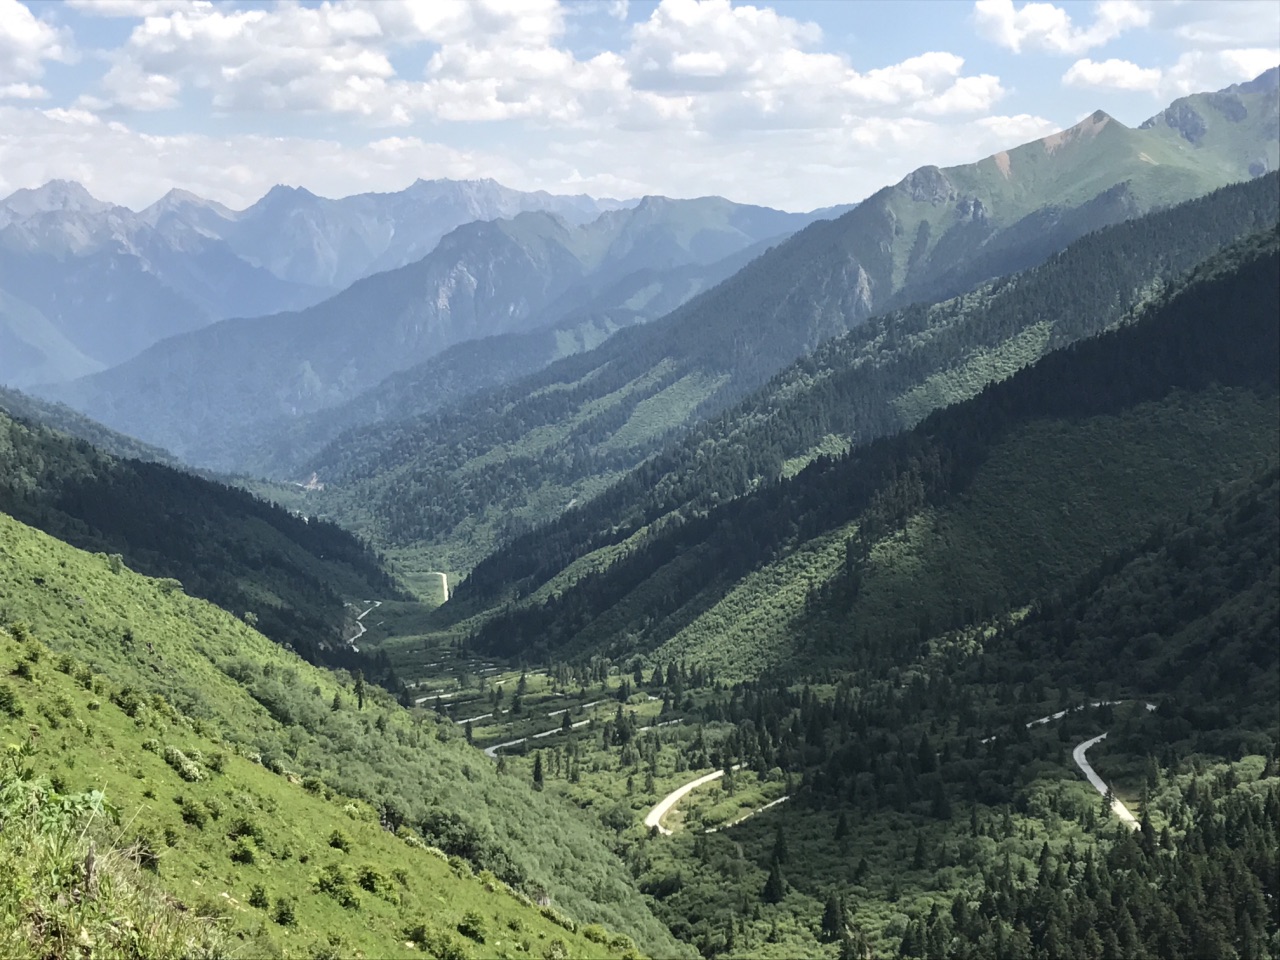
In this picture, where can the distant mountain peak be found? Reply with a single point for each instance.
(67, 195)
(1265, 82)
(1086, 129)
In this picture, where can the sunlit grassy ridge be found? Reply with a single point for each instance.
(248, 698)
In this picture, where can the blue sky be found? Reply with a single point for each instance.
(796, 104)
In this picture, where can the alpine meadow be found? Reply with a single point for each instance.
(696, 478)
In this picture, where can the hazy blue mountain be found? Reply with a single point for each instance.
(313, 240)
(281, 447)
(86, 284)
(204, 393)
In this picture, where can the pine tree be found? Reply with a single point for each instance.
(775, 887)
(537, 770)
(832, 919)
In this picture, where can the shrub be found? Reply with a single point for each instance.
(338, 840)
(194, 812)
(217, 760)
(313, 784)
(595, 933)
(471, 926)
(371, 879)
(185, 768)
(242, 827)
(128, 700)
(556, 950)
(170, 836)
(258, 897)
(283, 913)
(334, 881)
(243, 852)
(151, 745)
(438, 943)
(10, 706)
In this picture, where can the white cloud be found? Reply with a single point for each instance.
(1043, 26)
(26, 42)
(1220, 23)
(23, 91)
(135, 8)
(1113, 75)
(1194, 72)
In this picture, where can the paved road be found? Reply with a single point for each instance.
(663, 806)
(748, 815)
(1118, 808)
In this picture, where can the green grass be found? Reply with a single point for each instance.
(247, 697)
(242, 835)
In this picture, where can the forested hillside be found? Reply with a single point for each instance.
(460, 482)
(935, 810)
(878, 379)
(1181, 399)
(288, 574)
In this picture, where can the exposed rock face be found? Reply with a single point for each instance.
(1229, 105)
(1183, 118)
(971, 208)
(929, 184)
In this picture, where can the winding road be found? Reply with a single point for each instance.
(1078, 755)
(663, 806)
(360, 627)
(1118, 808)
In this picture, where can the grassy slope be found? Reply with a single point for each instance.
(139, 633)
(82, 741)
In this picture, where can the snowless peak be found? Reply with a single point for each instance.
(56, 195)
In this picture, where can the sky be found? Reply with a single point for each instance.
(796, 105)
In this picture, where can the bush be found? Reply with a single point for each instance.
(258, 897)
(128, 700)
(9, 703)
(151, 745)
(438, 943)
(185, 768)
(194, 812)
(243, 852)
(242, 827)
(338, 840)
(371, 879)
(283, 913)
(471, 926)
(334, 881)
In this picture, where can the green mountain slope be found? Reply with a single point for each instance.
(288, 574)
(511, 458)
(984, 505)
(58, 416)
(270, 737)
(880, 378)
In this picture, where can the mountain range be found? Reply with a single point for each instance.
(520, 454)
(86, 284)
(198, 394)
(686, 579)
